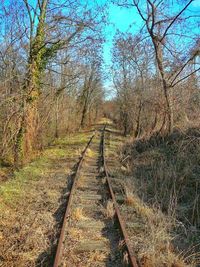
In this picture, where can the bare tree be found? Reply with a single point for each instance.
(42, 59)
(167, 29)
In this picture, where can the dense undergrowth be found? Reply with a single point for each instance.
(165, 172)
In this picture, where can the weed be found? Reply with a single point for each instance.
(29, 204)
(110, 211)
(77, 214)
(97, 256)
(90, 153)
(165, 173)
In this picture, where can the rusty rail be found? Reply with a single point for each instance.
(59, 249)
(132, 258)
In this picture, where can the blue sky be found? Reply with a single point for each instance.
(124, 20)
(120, 19)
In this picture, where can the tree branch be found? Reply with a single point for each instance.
(185, 77)
(174, 19)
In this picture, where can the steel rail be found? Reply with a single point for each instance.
(59, 249)
(132, 258)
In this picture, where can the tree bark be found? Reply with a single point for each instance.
(83, 116)
(57, 117)
(166, 88)
(137, 131)
(26, 137)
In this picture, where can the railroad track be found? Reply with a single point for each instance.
(93, 231)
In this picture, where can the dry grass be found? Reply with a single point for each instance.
(96, 256)
(160, 171)
(75, 233)
(125, 259)
(154, 245)
(105, 121)
(77, 214)
(29, 224)
(141, 208)
(30, 206)
(109, 210)
(165, 171)
(103, 180)
(129, 196)
(84, 260)
(81, 181)
(90, 153)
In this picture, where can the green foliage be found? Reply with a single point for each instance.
(78, 139)
(47, 54)
(13, 189)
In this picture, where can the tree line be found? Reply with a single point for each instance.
(50, 73)
(156, 70)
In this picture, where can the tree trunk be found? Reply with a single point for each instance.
(162, 125)
(169, 106)
(96, 114)
(31, 127)
(26, 137)
(153, 127)
(125, 123)
(137, 131)
(57, 117)
(83, 117)
(166, 89)
(18, 146)
(25, 142)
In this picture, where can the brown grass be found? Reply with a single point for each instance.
(75, 233)
(77, 214)
(109, 211)
(157, 170)
(165, 172)
(31, 206)
(90, 153)
(96, 256)
(155, 243)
